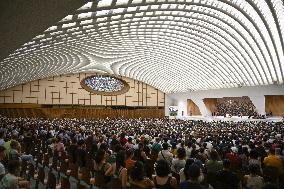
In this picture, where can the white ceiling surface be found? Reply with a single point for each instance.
(173, 45)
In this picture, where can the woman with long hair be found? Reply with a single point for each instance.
(139, 154)
(162, 180)
(120, 172)
(138, 179)
(103, 170)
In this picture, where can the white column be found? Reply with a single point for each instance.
(168, 102)
(182, 107)
(259, 103)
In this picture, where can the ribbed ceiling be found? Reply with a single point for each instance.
(173, 45)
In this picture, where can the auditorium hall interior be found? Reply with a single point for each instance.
(142, 94)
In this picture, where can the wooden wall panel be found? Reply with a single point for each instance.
(211, 104)
(18, 106)
(66, 89)
(192, 108)
(274, 104)
(88, 113)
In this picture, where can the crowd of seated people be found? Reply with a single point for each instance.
(153, 153)
(236, 107)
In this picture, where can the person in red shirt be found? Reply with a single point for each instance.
(234, 158)
(274, 145)
(122, 139)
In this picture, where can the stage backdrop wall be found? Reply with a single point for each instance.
(192, 108)
(66, 89)
(211, 104)
(274, 104)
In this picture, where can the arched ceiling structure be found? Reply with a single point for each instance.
(173, 45)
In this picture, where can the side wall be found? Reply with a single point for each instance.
(66, 89)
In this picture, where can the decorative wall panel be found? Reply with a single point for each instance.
(192, 108)
(274, 104)
(66, 89)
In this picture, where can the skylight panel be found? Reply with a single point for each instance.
(139, 14)
(90, 31)
(102, 19)
(142, 8)
(86, 6)
(46, 39)
(67, 18)
(118, 10)
(137, 1)
(85, 15)
(51, 28)
(102, 12)
(104, 3)
(122, 2)
(86, 22)
(117, 17)
(102, 24)
(29, 43)
(149, 13)
(128, 15)
(56, 33)
(154, 7)
(131, 9)
(69, 25)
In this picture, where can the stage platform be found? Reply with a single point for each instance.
(233, 118)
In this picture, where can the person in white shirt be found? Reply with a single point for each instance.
(166, 154)
(179, 162)
(188, 150)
